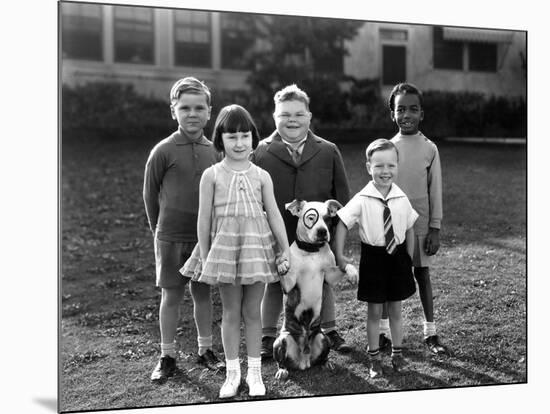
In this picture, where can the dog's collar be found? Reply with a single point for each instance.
(309, 247)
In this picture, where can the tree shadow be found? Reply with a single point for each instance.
(449, 364)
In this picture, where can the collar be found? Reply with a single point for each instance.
(400, 137)
(371, 191)
(309, 247)
(181, 138)
(274, 137)
(278, 147)
(295, 145)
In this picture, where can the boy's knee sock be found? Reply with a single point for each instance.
(168, 349)
(329, 326)
(205, 343)
(385, 327)
(396, 351)
(373, 353)
(429, 329)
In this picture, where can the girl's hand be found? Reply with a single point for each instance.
(282, 265)
(198, 269)
(342, 261)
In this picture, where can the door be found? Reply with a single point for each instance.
(394, 68)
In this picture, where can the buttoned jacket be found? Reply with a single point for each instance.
(320, 175)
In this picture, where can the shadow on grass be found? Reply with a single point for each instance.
(502, 244)
(319, 381)
(449, 364)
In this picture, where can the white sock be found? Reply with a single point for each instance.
(429, 329)
(233, 365)
(254, 362)
(254, 368)
(205, 343)
(168, 349)
(385, 327)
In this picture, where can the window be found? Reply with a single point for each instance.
(134, 35)
(81, 33)
(192, 35)
(394, 69)
(237, 40)
(482, 57)
(447, 55)
(467, 49)
(393, 34)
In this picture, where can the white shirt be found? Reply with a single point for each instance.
(367, 209)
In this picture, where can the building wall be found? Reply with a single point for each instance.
(156, 79)
(365, 61)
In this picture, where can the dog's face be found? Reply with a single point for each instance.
(312, 219)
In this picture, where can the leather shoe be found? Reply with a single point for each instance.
(231, 385)
(398, 362)
(435, 347)
(337, 343)
(375, 368)
(266, 351)
(211, 361)
(384, 342)
(166, 367)
(255, 384)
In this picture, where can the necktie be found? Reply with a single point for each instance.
(391, 244)
(295, 155)
(295, 151)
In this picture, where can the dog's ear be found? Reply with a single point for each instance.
(295, 207)
(333, 206)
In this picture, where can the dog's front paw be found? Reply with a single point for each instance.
(281, 374)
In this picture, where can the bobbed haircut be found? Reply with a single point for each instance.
(234, 118)
(403, 89)
(189, 85)
(380, 144)
(291, 93)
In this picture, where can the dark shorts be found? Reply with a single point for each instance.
(384, 277)
(169, 258)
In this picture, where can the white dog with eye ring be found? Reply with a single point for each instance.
(301, 343)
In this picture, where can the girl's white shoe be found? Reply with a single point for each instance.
(231, 385)
(255, 384)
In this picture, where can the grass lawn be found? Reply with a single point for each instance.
(109, 326)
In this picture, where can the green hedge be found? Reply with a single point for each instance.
(468, 114)
(116, 111)
(112, 111)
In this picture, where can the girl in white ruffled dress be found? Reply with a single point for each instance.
(242, 242)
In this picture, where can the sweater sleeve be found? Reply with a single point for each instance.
(435, 191)
(151, 186)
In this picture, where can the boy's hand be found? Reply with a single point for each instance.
(344, 263)
(432, 242)
(352, 274)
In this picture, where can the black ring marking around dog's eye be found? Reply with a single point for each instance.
(312, 215)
